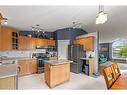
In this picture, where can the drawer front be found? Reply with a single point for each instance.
(74, 68)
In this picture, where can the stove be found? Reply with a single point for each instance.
(40, 65)
(41, 57)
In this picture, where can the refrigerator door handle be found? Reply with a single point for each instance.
(71, 53)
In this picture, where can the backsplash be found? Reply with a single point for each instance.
(23, 53)
(16, 53)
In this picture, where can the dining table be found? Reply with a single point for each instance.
(120, 83)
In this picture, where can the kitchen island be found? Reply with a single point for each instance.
(56, 72)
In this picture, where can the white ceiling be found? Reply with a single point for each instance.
(52, 18)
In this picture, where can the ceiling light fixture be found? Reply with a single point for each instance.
(37, 28)
(76, 25)
(3, 20)
(101, 16)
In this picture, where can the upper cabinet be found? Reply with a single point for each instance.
(87, 42)
(45, 42)
(41, 42)
(50, 42)
(27, 43)
(0, 38)
(9, 39)
(15, 40)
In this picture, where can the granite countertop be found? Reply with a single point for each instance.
(58, 62)
(17, 58)
(8, 70)
(86, 58)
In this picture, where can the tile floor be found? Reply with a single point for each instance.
(77, 81)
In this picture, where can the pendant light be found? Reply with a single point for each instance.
(3, 20)
(101, 16)
(76, 25)
(37, 28)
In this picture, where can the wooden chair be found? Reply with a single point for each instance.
(109, 76)
(116, 70)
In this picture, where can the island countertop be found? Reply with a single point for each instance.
(8, 70)
(58, 62)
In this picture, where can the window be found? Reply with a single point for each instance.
(119, 49)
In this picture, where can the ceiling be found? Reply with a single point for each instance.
(51, 18)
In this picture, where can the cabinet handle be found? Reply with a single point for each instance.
(19, 69)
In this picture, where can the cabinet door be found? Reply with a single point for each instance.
(27, 67)
(6, 39)
(14, 38)
(59, 74)
(44, 42)
(38, 42)
(78, 41)
(47, 73)
(87, 42)
(0, 38)
(32, 44)
(26, 43)
(22, 43)
(51, 42)
(8, 83)
(33, 66)
(41, 42)
(22, 67)
(28, 71)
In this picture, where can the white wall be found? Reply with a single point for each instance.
(95, 52)
(63, 49)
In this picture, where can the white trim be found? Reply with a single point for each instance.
(119, 58)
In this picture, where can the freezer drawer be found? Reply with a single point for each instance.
(74, 68)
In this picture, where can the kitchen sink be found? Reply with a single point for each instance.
(6, 63)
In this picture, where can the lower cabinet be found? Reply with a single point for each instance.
(8, 83)
(22, 66)
(27, 67)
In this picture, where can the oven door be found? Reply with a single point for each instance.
(40, 62)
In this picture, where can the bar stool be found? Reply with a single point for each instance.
(109, 76)
(116, 70)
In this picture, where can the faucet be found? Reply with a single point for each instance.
(0, 58)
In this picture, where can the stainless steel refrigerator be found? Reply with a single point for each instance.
(75, 52)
